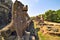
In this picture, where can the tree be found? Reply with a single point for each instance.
(52, 15)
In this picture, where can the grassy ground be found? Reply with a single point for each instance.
(47, 36)
(41, 37)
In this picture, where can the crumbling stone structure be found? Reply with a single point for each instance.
(5, 12)
(19, 24)
(20, 27)
(20, 17)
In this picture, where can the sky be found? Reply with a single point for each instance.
(36, 7)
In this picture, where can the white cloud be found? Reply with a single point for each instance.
(36, 0)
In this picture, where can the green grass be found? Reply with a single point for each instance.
(41, 36)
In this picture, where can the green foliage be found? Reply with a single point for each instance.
(52, 15)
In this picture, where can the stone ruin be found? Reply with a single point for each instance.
(20, 17)
(5, 12)
(20, 21)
